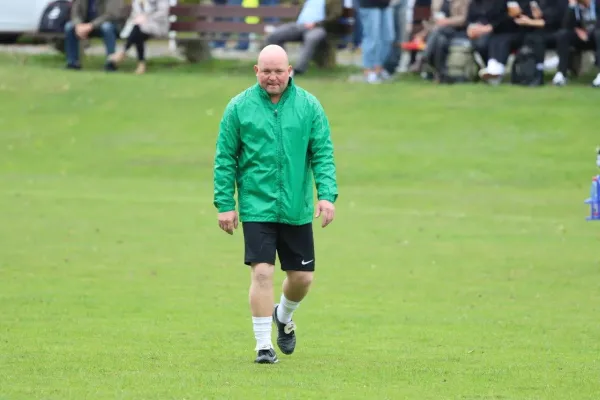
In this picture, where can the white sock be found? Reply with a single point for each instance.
(540, 67)
(262, 332)
(285, 309)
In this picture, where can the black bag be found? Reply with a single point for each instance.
(524, 70)
(55, 17)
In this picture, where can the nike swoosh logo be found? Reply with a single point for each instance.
(306, 262)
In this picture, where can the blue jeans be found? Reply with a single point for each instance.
(108, 31)
(378, 35)
(395, 55)
(357, 31)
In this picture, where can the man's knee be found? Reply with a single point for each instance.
(107, 28)
(562, 35)
(300, 278)
(316, 35)
(262, 274)
(69, 27)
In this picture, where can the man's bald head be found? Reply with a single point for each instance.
(273, 70)
(273, 53)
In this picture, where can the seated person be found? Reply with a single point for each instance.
(148, 18)
(483, 18)
(541, 26)
(506, 37)
(581, 29)
(448, 19)
(311, 27)
(92, 18)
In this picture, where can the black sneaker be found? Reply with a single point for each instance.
(266, 356)
(110, 66)
(286, 336)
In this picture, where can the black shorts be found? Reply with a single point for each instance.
(294, 244)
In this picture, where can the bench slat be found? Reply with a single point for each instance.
(199, 11)
(218, 27)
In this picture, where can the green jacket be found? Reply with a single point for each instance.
(271, 151)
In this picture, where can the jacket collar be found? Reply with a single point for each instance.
(291, 87)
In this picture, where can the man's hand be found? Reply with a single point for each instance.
(139, 20)
(327, 209)
(582, 34)
(523, 20)
(228, 221)
(83, 30)
(310, 25)
(441, 21)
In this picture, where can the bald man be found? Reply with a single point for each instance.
(273, 137)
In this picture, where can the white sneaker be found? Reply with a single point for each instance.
(373, 78)
(489, 78)
(559, 79)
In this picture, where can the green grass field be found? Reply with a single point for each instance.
(460, 265)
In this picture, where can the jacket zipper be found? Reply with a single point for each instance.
(279, 166)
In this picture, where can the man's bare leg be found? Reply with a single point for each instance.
(261, 305)
(295, 288)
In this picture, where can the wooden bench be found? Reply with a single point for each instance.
(204, 23)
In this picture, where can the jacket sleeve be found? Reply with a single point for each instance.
(226, 160)
(570, 20)
(499, 15)
(76, 14)
(112, 13)
(459, 10)
(321, 153)
(553, 12)
(471, 14)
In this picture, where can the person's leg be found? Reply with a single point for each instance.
(219, 43)
(108, 31)
(357, 29)
(481, 46)
(290, 32)
(537, 42)
(296, 250)
(595, 38)
(71, 46)
(370, 29)
(311, 40)
(386, 40)
(260, 242)
(564, 41)
(395, 54)
(119, 56)
(500, 47)
(140, 47)
(430, 46)
(446, 34)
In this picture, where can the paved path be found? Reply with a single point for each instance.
(161, 49)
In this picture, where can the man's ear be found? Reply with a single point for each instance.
(256, 69)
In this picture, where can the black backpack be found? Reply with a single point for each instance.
(524, 70)
(55, 17)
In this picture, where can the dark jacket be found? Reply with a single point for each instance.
(575, 17)
(492, 12)
(106, 11)
(552, 13)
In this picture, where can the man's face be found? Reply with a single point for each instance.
(273, 75)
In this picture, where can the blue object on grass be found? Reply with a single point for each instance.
(594, 200)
